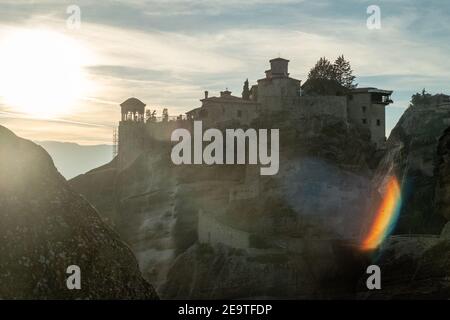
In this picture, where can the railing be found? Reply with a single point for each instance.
(169, 118)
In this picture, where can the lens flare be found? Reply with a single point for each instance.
(385, 217)
(42, 72)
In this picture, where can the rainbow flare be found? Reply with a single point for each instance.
(385, 217)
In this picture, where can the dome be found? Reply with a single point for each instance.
(133, 104)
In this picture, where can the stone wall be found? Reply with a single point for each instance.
(131, 141)
(364, 113)
(212, 231)
(223, 113)
(322, 105)
(273, 94)
(162, 131)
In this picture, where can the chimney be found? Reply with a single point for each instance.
(206, 94)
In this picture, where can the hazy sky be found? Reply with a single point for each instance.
(166, 53)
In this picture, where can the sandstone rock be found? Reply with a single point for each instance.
(442, 173)
(446, 231)
(45, 227)
(322, 193)
(411, 156)
(415, 267)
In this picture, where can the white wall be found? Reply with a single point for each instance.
(213, 232)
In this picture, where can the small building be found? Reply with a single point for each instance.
(225, 109)
(131, 131)
(277, 90)
(366, 108)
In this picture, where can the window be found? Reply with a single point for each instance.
(364, 121)
(364, 109)
(239, 113)
(378, 122)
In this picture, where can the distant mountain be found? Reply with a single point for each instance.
(72, 159)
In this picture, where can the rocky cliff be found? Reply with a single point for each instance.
(301, 225)
(46, 227)
(442, 173)
(417, 266)
(295, 234)
(411, 156)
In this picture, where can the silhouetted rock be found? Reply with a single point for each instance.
(45, 227)
(417, 266)
(411, 156)
(442, 172)
(412, 267)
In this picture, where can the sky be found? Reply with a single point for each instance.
(167, 53)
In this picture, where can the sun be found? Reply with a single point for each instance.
(41, 72)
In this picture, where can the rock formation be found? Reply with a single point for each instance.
(46, 227)
(442, 172)
(418, 266)
(411, 156)
(321, 194)
(295, 234)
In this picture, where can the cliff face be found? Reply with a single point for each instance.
(418, 266)
(321, 193)
(442, 172)
(46, 227)
(412, 156)
(98, 187)
(295, 234)
(412, 268)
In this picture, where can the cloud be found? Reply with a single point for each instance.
(167, 52)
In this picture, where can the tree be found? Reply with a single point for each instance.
(340, 71)
(344, 73)
(322, 70)
(246, 91)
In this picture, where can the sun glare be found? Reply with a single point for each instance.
(41, 72)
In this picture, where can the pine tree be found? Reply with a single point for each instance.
(344, 73)
(322, 70)
(340, 71)
(246, 91)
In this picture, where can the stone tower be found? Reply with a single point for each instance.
(131, 131)
(277, 90)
